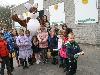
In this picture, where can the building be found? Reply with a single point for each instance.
(85, 33)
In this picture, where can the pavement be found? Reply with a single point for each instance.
(88, 64)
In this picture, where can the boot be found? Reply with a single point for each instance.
(54, 61)
(26, 66)
(12, 69)
(23, 64)
(61, 65)
(9, 73)
(30, 61)
(18, 63)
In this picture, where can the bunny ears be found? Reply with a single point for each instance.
(29, 6)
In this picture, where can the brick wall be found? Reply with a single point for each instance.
(87, 33)
(98, 29)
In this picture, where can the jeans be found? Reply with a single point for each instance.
(5, 61)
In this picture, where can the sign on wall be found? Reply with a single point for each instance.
(86, 11)
(57, 14)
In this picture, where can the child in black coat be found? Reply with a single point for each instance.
(36, 50)
(73, 51)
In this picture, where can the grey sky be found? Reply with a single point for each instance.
(12, 2)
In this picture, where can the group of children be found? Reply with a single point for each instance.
(64, 49)
(56, 47)
(15, 45)
(69, 53)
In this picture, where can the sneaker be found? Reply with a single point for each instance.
(37, 62)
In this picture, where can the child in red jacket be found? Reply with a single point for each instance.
(4, 55)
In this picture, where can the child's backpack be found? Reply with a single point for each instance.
(3, 48)
(63, 52)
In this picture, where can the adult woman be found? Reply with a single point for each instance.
(44, 22)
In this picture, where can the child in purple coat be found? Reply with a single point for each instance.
(22, 44)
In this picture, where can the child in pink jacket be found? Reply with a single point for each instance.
(63, 56)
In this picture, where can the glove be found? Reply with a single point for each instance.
(76, 56)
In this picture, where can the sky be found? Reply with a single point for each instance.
(12, 2)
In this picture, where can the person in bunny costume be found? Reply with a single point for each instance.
(31, 23)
